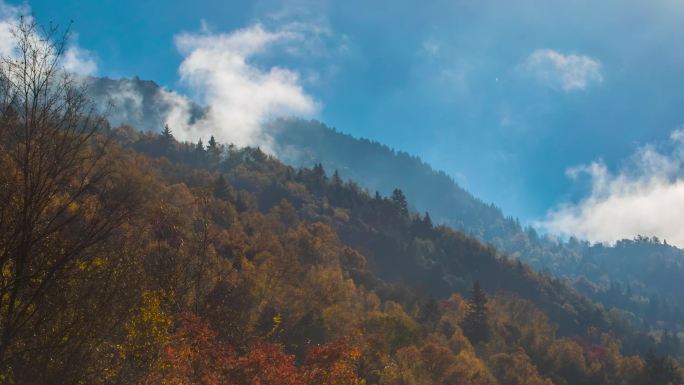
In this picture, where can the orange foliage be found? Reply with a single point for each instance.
(266, 364)
(194, 356)
(333, 364)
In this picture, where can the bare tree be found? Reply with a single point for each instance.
(56, 202)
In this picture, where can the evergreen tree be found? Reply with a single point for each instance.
(399, 200)
(336, 180)
(167, 135)
(213, 152)
(319, 171)
(427, 221)
(475, 324)
(222, 189)
(200, 153)
(213, 145)
(316, 179)
(167, 140)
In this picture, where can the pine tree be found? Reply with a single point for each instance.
(427, 221)
(167, 140)
(222, 190)
(475, 324)
(200, 153)
(166, 133)
(399, 200)
(212, 143)
(317, 179)
(319, 171)
(336, 180)
(213, 152)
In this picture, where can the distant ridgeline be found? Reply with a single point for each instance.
(640, 276)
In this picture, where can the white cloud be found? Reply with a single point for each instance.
(565, 72)
(79, 61)
(177, 112)
(9, 15)
(240, 95)
(76, 60)
(646, 197)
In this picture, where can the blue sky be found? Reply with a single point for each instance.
(506, 96)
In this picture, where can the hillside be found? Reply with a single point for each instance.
(376, 167)
(401, 258)
(129, 257)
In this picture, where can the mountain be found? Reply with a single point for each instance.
(144, 105)
(646, 272)
(596, 270)
(129, 257)
(385, 250)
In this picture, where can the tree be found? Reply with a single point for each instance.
(319, 171)
(336, 180)
(199, 156)
(167, 136)
(193, 356)
(167, 140)
(516, 369)
(212, 144)
(213, 152)
(427, 221)
(56, 204)
(222, 190)
(333, 364)
(475, 325)
(422, 227)
(399, 200)
(316, 179)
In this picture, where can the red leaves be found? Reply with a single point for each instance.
(195, 356)
(266, 364)
(333, 364)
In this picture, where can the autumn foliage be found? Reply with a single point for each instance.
(194, 355)
(181, 264)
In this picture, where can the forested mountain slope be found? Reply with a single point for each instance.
(642, 276)
(131, 258)
(397, 255)
(144, 260)
(598, 271)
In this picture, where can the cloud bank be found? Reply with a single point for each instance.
(220, 71)
(645, 197)
(564, 72)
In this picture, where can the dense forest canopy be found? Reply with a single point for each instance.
(128, 257)
(650, 268)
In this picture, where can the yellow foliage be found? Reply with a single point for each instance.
(470, 370)
(148, 329)
(516, 369)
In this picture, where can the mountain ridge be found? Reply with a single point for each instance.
(376, 167)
